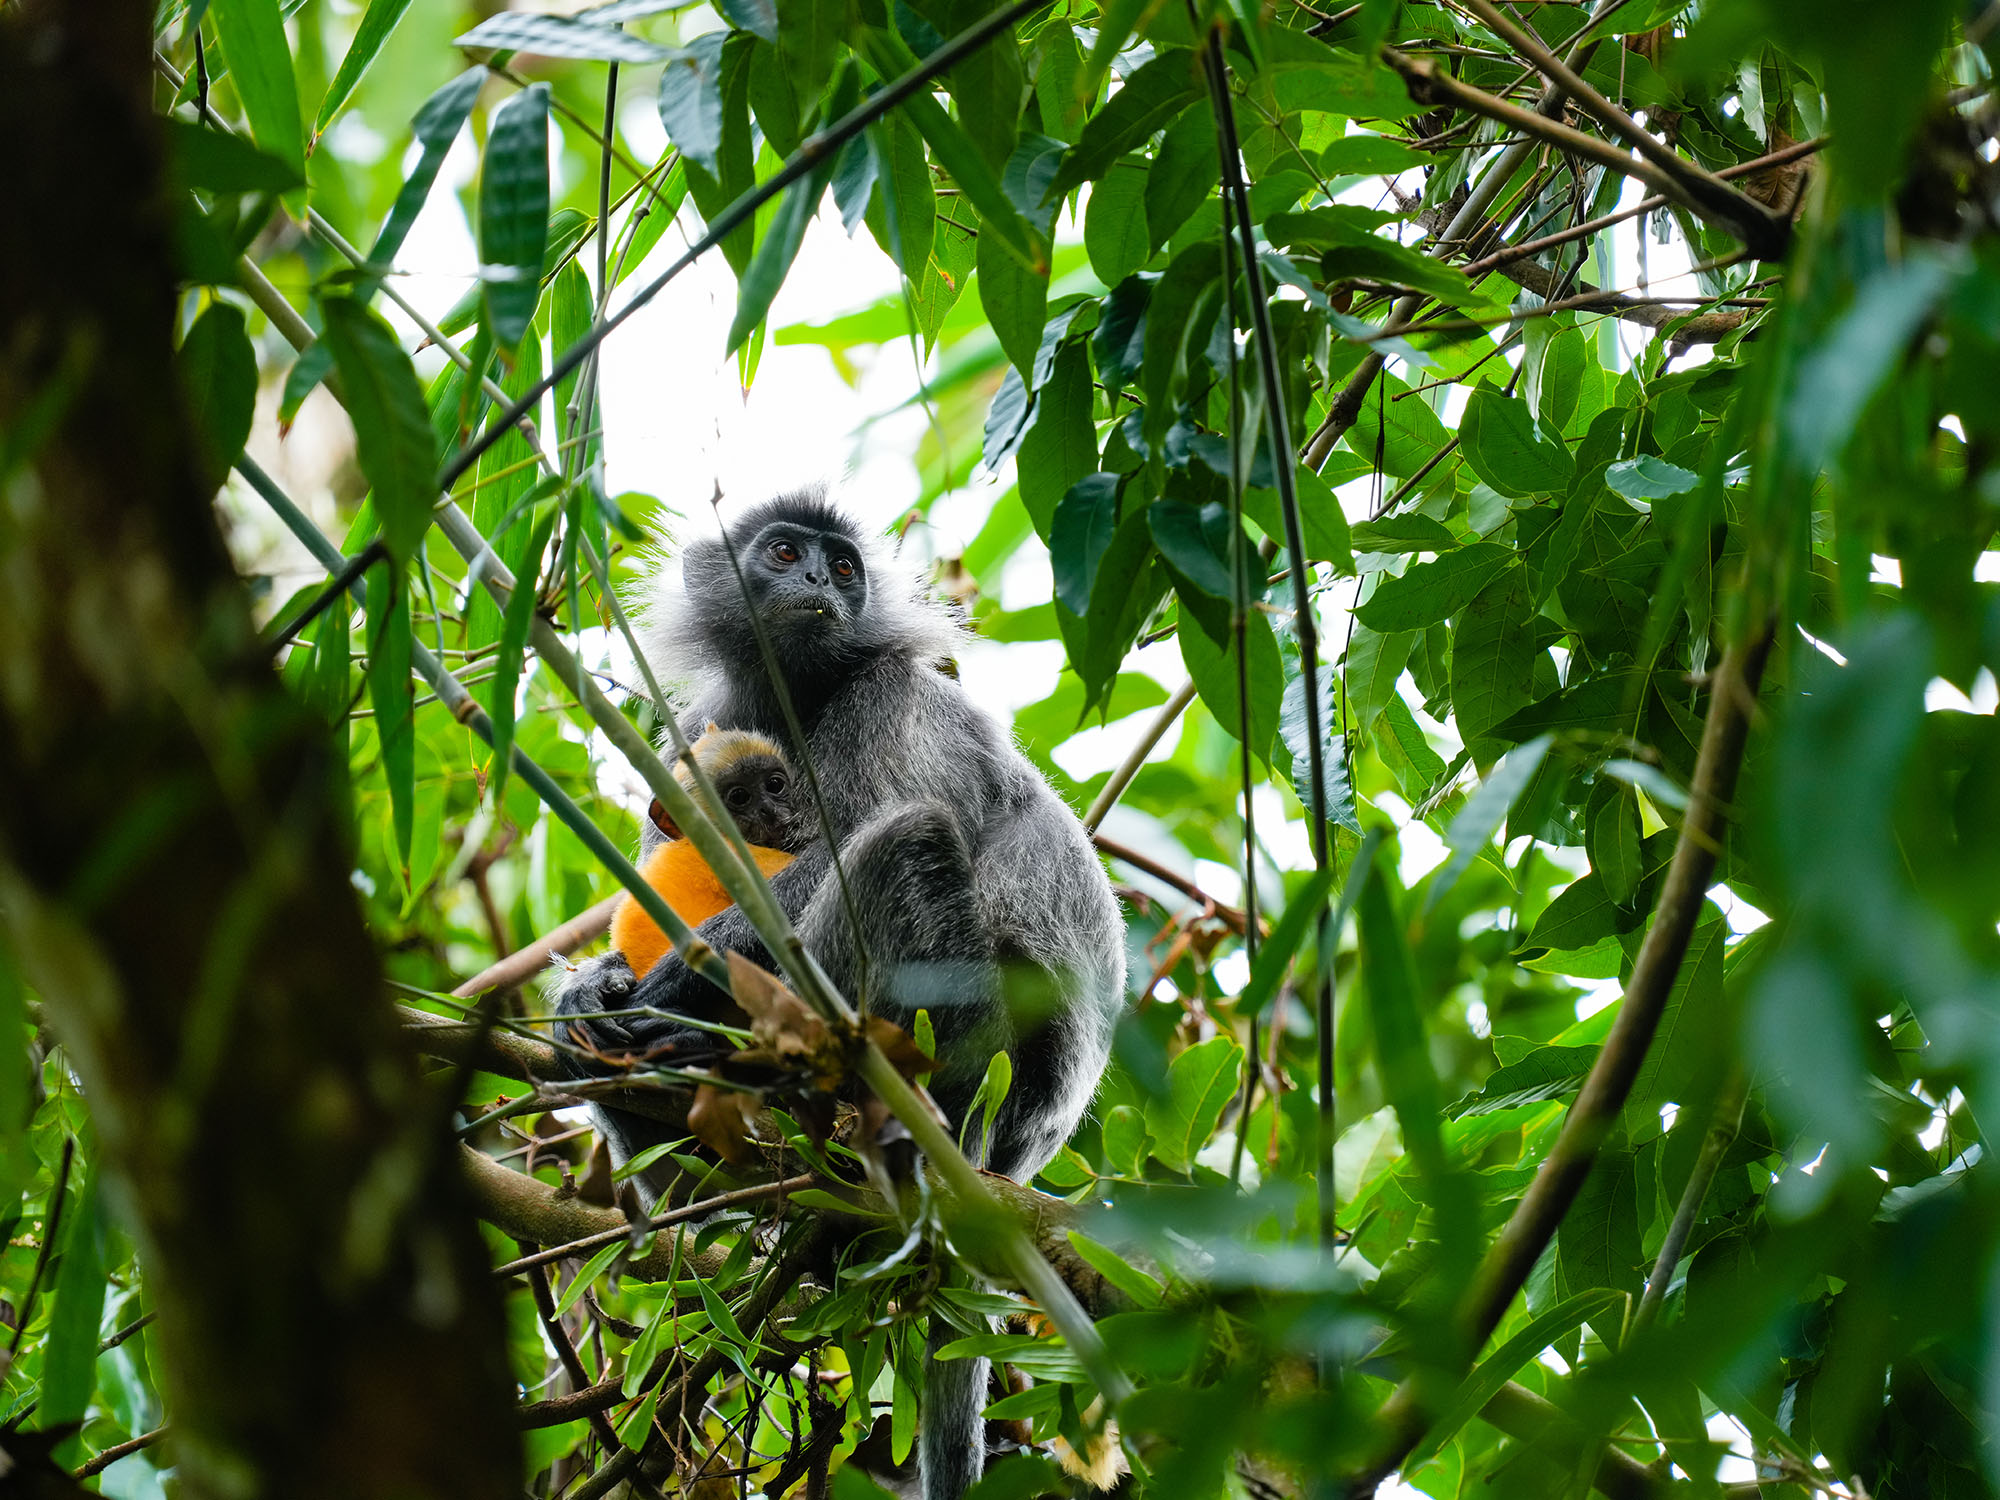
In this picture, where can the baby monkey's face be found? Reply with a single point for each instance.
(761, 796)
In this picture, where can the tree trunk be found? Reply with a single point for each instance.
(172, 870)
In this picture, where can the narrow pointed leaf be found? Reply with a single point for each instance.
(376, 23)
(392, 427)
(514, 212)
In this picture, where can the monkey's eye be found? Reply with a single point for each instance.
(738, 797)
(785, 553)
(843, 567)
(775, 784)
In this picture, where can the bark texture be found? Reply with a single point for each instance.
(173, 875)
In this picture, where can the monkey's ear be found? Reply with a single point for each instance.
(662, 820)
(711, 727)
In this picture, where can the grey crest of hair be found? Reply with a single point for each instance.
(975, 891)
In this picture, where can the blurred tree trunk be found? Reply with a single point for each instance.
(172, 871)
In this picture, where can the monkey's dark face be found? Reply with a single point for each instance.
(806, 582)
(759, 792)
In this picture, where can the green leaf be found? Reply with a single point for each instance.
(218, 376)
(1114, 223)
(1680, 1064)
(775, 253)
(1433, 591)
(1389, 979)
(1484, 1383)
(958, 155)
(260, 67)
(1128, 1278)
(376, 23)
(1214, 674)
(1581, 914)
(1294, 729)
(1015, 301)
(1195, 541)
(69, 1361)
(1612, 836)
(393, 696)
(1086, 518)
(1369, 156)
(1544, 1074)
(1200, 1084)
(1374, 664)
(946, 271)
(1504, 449)
(219, 162)
(559, 36)
(1322, 523)
(810, 35)
(1400, 426)
(1124, 1137)
(1149, 100)
(514, 211)
(1184, 172)
(1648, 478)
(691, 99)
(904, 201)
(1274, 954)
(1484, 811)
(1350, 250)
(515, 624)
(392, 428)
(436, 126)
(759, 17)
(1492, 660)
(1060, 446)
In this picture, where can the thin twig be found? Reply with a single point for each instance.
(1766, 233)
(1723, 1125)
(51, 1225)
(1108, 795)
(525, 963)
(117, 1451)
(1124, 854)
(757, 1193)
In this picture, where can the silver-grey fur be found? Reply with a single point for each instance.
(978, 894)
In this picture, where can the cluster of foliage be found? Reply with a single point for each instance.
(1542, 575)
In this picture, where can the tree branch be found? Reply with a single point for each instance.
(1767, 234)
(1430, 84)
(525, 963)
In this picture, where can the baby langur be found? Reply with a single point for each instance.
(763, 797)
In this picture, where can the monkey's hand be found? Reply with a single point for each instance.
(604, 1013)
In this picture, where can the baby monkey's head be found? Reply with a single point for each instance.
(756, 784)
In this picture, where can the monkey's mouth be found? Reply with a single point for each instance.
(804, 609)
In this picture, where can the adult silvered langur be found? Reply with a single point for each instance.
(971, 889)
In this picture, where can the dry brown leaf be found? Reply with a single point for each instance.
(779, 1020)
(724, 1120)
(898, 1046)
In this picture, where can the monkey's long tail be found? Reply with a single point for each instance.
(951, 1433)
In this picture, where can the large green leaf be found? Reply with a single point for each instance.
(514, 212)
(392, 426)
(1433, 591)
(691, 99)
(218, 376)
(260, 66)
(69, 1360)
(376, 23)
(1147, 101)
(1200, 1084)
(560, 36)
(1215, 678)
(1501, 443)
